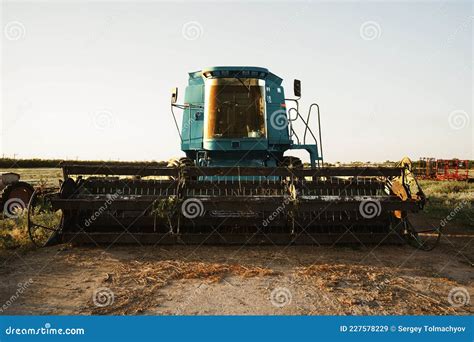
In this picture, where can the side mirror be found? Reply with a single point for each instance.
(174, 95)
(297, 88)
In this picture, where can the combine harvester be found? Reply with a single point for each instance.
(235, 185)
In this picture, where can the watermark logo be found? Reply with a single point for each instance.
(103, 296)
(370, 30)
(192, 208)
(459, 296)
(14, 30)
(47, 329)
(110, 199)
(453, 213)
(276, 212)
(458, 119)
(278, 119)
(461, 28)
(102, 31)
(280, 297)
(103, 119)
(13, 208)
(192, 30)
(19, 291)
(370, 208)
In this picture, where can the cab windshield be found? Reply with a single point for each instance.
(235, 108)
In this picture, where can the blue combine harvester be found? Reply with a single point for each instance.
(235, 184)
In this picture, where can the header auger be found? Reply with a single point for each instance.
(234, 185)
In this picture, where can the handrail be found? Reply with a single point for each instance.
(176, 122)
(183, 107)
(292, 131)
(307, 127)
(319, 128)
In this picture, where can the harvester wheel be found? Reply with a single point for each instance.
(16, 197)
(43, 221)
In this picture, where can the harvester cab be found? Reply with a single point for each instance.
(237, 116)
(234, 185)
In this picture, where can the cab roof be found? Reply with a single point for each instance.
(236, 71)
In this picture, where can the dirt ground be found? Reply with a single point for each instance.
(207, 280)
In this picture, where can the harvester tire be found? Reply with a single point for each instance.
(16, 196)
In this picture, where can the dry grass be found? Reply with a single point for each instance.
(136, 284)
(356, 286)
(48, 176)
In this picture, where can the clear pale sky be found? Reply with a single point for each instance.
(92, 80)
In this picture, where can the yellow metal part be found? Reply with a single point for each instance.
(405, 186)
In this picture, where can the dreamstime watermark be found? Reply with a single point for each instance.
(192, 30)
(370, 208)
(14, 30)
(14, 208)
(453, 213)
(458, 119)
(110, 199)
(280, 297)
(370, 30)
(459, 296)
(103, 296)
(465, 25)
(192, 208)
(102, 31)
(278, 119)
(192, 120)
(46, 330)
(276, 212)
(19, 291)
(103, 119)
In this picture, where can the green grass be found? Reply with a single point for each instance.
(450, 200)
(13, 233)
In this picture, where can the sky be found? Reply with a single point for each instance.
(92, 80)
